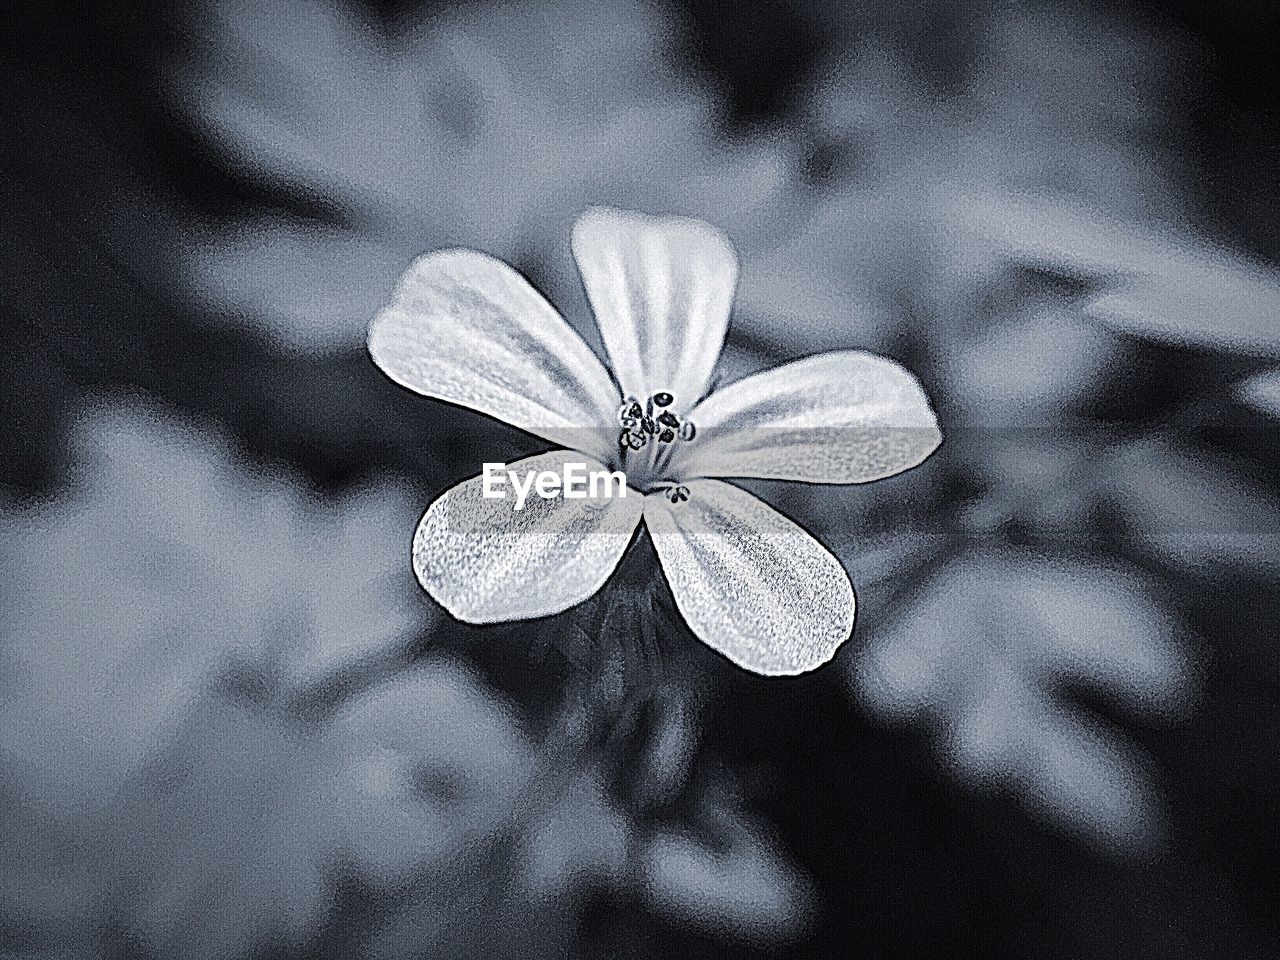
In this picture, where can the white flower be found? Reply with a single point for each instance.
(468, 329)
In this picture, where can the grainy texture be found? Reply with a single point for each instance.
(467, 328)
(751, 583)
(486, 561)
(842, 417)
(661, 288)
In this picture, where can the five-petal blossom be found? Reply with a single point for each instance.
(468, 329)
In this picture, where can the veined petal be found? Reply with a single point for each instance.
(842, 417)
(486, 561)
(748, 581)
(661, 288)
(466, 328)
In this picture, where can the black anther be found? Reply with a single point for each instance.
(630, 410)
(632, 439)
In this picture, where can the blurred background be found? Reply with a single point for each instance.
(231, 725)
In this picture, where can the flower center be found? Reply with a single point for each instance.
(649, 432)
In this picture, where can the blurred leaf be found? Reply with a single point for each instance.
(233, 841)
(1032, 482)
(983, 655)
(1262, 392)
(167, 558)
(581, 844)
(661, 771)
(1033, 97)
(1039, 364)
(729, 880)
(1153, 284)
(418, 769)
(947, 139)
(1226, 305)
(218, 849)
(486, 126)
(49, 882)
(1046, 151)
(430, 771)
(494, 127)
(312, 284)
(830, 279)
(479, 99)
(165, 561)
(1194, 511)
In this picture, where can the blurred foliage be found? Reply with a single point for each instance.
(211, 718)
(166, 564)
(991, 644)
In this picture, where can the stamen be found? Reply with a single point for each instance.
(639, 425)
(629, 412)
(632, 440)
(674, 492)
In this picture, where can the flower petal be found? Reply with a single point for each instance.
(466, 328)
(842, 417)
(748, 581)
(486, 561)
(661, 288)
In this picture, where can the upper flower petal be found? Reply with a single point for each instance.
(485, 561)
(748, 581)
(466, 328)
(842, 417)
(661, 288)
